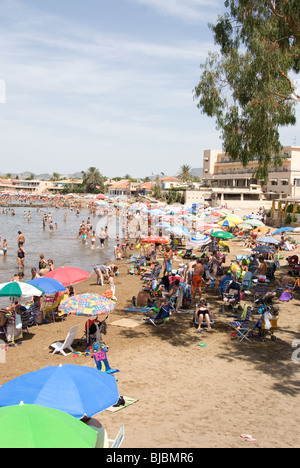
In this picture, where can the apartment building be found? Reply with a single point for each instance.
(229, 179)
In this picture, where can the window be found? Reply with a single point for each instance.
(274, 182)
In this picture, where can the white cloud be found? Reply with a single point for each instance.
(184, 10)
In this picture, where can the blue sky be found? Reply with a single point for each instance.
(105, 83)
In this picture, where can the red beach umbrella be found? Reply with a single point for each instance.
(155, 240)
(68, 275)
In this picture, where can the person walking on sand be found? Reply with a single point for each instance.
(197, 277)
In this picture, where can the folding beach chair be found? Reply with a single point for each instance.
(60, 347)
(161, 317)
(243, 328)
(102, 364)
(247, 281)
(259, 291)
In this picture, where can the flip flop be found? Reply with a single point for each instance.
(248, 438)
(203, 345)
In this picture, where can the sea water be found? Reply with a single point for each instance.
(60, 245)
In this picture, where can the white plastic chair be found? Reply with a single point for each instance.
(60, 347)
(116, 443)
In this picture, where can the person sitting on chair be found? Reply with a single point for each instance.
(202, 315)
(168, 296)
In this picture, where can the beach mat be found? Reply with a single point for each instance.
(128, 401)
(129, 322)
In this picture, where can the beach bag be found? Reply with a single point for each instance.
(285, 296)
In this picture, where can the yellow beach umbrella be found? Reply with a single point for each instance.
(226, 223)
(234, 219)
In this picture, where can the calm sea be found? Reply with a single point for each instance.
(61, 245)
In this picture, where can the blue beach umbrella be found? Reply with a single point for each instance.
(49, 285)
(283, 229)
(76, 390)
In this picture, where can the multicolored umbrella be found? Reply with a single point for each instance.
(32, 426)
(199, 240)
(226, 223)
(76, 390)
(87, 305)
(19, 289)
(234, 219)
(68, 275)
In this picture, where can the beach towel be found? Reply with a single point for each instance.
(129, 322)
(128, 401)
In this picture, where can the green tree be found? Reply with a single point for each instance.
(93, 181)
(55, 176)
(248, 87)
(185, 173)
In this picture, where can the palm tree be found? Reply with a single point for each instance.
(93, 180)
(185, 173)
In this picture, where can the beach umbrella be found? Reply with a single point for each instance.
(68, 275)
(263, 249)
(222, 235)
(245, 226)
(255, 222)
(32, 426)
(87, 305)
(19, 289)
(76, 390)
(284, 229)
(199, 240)
(226, 223)
(49, 285)
(234, 219)
(155, 240)
(179, 231)
(261, 229)
(268, 240)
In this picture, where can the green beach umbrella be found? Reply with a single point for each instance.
(254, 222)
(19, 289)
(222, 235)
(33, 426)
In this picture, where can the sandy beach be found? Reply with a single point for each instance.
(189, 396)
